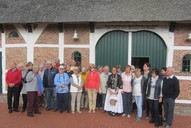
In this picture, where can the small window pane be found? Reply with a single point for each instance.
(186, 63)
(13, 35)
(77, 57)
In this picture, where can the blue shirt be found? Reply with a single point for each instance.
(59, 79)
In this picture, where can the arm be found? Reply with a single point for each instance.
(176, 88)
(7, 78)
(19, 78)
(29, 76)
(57, 81)
(72, 82)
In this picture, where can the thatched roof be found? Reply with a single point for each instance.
(29, 11)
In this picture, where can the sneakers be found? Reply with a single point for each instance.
(10, 111)
(128, 116)
(138, 119)
(123, 115)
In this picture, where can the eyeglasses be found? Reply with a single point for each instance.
(61, 68)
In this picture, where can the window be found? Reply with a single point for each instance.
(186, 63)
(13, 34)
(77, 57)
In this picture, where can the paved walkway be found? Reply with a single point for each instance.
(50, 119)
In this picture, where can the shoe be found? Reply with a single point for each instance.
(23, 110)
(128, 116)
(151, 121)
(10, 111)
(37, 112)
(123, 115)
(79, 111)
(16, 110)
(113, 114)
(61, 111)
(147, 117)
(48, 109)
(55, 110)
(138, 119)
(89, 111)
(30, 115)
(93, 111)
(167, 126)
(73, 112)
(164, 125)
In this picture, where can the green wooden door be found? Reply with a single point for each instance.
(150, 45)
(112, 49)
(1, 72)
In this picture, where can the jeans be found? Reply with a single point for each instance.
(13, 91)
(139, 102)
(169, 104)
(62, 101)
(127, 102)
(51, 93)
(154, 108)
(103, 99)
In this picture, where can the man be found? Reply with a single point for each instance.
(170, 92)
(103, 83)
(48, 83)
(99, 96)
(13, 80)
(56, 63)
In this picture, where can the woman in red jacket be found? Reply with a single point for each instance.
(13, 80)
(92, 86)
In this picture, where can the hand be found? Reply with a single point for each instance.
(160, 100)
(63, 85)
(110, 91)
(79, 88)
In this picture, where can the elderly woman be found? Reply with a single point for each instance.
(154, 94)
(32, 91)
(113, 101)
(76, 89)
(92, 86)
(62, 81)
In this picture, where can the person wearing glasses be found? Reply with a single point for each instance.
(62, 81)
(92, 87)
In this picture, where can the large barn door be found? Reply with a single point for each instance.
(112, 49)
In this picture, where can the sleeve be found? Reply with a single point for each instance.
(98, 82)
(29, 76)
(176, 88)
(87, 81)
(19, 78)
(7, 78)
(109, 82)
(67, 78)
(57, 81)
(44, 78)
(72, 82)
(161, 88)
(120, 83)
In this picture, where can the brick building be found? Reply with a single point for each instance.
(109, 32)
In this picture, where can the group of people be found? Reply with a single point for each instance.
(68, 88)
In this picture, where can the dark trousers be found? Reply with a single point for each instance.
(127, 102)
(160, 109)
(13, 91)
(154, 108)
(32, 98)
(62, 101)
(169, 104)
(24, 96)
(99, 100)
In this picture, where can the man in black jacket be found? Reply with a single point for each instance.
(50, 88)
(170, 92)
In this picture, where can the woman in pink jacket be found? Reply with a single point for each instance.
(92, 87)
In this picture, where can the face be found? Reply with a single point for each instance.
(153, 74)
(76, 72)
(163, 72)
(114, 70)
(145, 68)
(68, 67)
(57, 61)
(48, 66)
(13, 65)
(30, 67)
(100, 70)
(138, 73)
(73, 62)
(61, 70)
(106, 70)
(127, 69)
(92, 69)
(169, 72)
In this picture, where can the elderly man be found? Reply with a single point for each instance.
(170, 92)
(13, 80)
(50, 87)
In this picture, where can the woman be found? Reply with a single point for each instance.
(32, 91)
(92, 86)
(154, 94)
(76, 89)
(113, 101)
(61, 80)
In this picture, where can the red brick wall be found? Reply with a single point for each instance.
(181, 35)
(45, 53)
(185, 90)
(8, 30)
(81, 29)
(84, 54)
(15, 55)
(49, 35)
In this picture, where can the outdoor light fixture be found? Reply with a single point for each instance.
(189, 36)
(75, 37)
